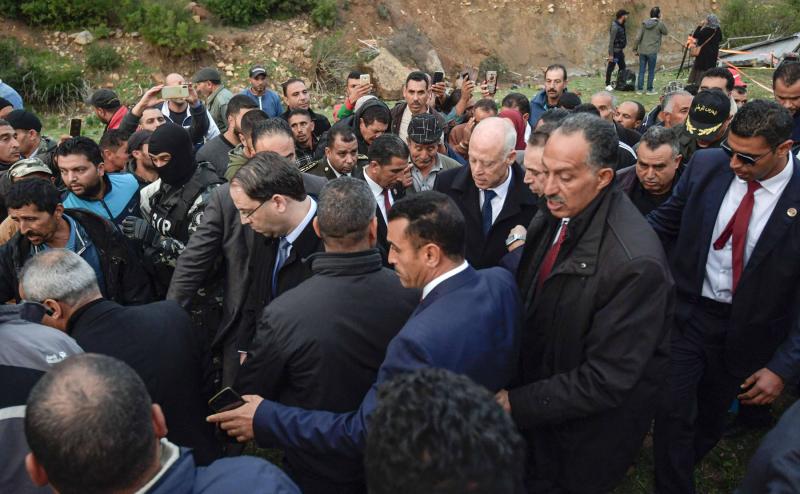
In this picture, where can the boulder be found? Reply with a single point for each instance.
(388, 75)
(82, 38)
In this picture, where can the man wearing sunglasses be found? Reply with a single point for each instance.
(732, 233)
(707, 123)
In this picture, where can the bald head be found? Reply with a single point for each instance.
(606, 104)
(174, 80)
(491, 152)
(89, 425)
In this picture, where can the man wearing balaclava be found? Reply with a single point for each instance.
(173, 205)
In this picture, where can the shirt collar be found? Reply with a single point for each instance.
(777, 183)
(502, 189)
(335, 171)
(169, 455)
(376, 189)
(294, 234)
(442, 278)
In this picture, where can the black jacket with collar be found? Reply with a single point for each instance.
(319, 346)
(595, 343)
(518, 209)
(159, 342)
(321, 122)
(126, 281)
(397, 117)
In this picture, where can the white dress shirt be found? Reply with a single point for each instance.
(442, 278)
(293, 235)
(718, 282)
(500, 199)
(377, 191)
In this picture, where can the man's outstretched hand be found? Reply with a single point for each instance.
(238, 422)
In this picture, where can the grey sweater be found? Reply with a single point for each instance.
(216, 152)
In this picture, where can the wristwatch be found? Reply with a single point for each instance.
(513, 238)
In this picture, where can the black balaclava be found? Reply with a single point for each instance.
(173, 139)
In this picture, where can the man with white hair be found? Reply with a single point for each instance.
(676, 108)
(491, 192)
(158, 340)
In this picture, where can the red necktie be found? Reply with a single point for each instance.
(386, 202)
(550, 258)
(737, 227)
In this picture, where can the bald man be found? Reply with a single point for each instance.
(183, 111)
(491, 191)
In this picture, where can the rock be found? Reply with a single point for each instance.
(198, 10)
(433, 63)
(389, 75)
(221, 65)
(135, 34)
(82, 38)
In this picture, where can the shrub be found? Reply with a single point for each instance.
(755, 17)
(324, 13)
(331, 62)
(41, 78)
(102, 57)
(66, 14)
(493, 62)
(167, 26)
(246, 12)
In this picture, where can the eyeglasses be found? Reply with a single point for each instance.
(251, 213)
(744, 158)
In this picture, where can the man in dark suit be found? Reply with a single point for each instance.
(319, 346)
(341, 155)
(222, 238)
(598, 308)
(387, 169)
(732, 233)
(269, 194)
(492, 173)
(158, 340)
(467, 322)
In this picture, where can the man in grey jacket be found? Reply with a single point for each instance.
(208, 84)
(647, 45)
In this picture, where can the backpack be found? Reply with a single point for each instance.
(626, 81)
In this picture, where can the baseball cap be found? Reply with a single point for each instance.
(27, 166)
(25, 120)
(709, 110)
(207, 74)
(104, 98)
(138, 139)
(424, 129)
(257, 70)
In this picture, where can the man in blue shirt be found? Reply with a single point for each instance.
(266, 99)
(113, 196)
(555, 84)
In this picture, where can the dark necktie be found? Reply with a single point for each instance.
(737, 228)
(387, 204)
(488, 195)
(550, 258)
(280, 259)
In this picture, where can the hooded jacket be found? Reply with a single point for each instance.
(617, 38)
(649, 40)
(353, 122)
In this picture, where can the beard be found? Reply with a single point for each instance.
(91, 191)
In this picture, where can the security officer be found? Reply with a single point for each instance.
(341, 155)
(173, 208)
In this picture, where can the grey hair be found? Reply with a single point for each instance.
(601, 136)
(61, 275)
(346, 208)
(657, 136)
(667, 103)
(608, 94)
(511, 137)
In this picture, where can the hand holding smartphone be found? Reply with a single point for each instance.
(365, 80)
(175, 92)
(491, 81)
(226, 399)
(75, 127)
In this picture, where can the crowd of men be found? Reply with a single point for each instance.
(455, 294)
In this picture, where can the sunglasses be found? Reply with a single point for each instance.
(744, 158)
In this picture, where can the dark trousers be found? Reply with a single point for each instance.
(700, 391)
(618, 59)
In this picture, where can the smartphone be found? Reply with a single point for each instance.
(438, 77)
(491, 81)
(175, 92)
(225, 400)
(75, 127)
(365, 79)
(471, 73)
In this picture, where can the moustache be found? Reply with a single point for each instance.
(556, 198)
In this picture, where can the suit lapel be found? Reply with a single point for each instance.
(469, 275)
(779, 221)
(305, 245)
(470, 197)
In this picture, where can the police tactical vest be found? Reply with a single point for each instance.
(169, 207)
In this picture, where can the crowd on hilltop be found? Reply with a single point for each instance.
(458, 293)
